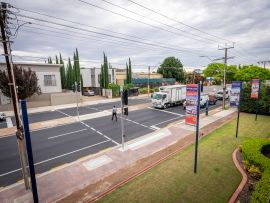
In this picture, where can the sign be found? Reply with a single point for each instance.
(191, 103)
(209, 78)
(255, 88)
(235, 93)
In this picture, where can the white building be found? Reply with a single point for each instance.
(91, 78)
(48, 76)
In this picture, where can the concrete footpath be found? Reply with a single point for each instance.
(63, 181)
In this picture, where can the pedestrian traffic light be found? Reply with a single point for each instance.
(73, 88)
(125, 97)
(79, 87)
(126, 110)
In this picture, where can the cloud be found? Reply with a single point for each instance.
(244, 22)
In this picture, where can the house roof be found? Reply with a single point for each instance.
(35, 64)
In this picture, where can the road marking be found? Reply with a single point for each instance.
(137, 123)
(56, 157)
(166, 121)
(96, 109)
(154, 127)
(99, 132)
(67, 133)
(178, 114)
(63, 113)
(9, 122)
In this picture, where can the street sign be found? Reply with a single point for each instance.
(235, 94)
(255, 88)
(191, 103)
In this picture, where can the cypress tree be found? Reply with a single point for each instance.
(129, 71)
(56, 60)
(62, 72)
(78, 65)
(127, 74)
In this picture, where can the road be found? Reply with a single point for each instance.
(60, 113)
(56, 146)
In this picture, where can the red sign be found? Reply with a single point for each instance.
(191, 103)
(255, 88)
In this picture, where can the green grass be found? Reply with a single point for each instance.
(217, 178)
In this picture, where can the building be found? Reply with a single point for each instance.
(121, 76)
(91, 78)
(192, 69)
(48, 76)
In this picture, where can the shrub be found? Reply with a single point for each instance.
(255, 172)
(115, 89)
(249, 105)
(252, 154)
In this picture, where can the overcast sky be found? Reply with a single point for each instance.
(245, 22)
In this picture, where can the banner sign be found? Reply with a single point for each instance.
(255, 88)
(191, 103)
(235, 93)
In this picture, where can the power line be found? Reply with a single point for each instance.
(133, 19)
(105, 34)
(165, 16)
(118, 6)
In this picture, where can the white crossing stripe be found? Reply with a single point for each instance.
(67, 133)
(9, 122)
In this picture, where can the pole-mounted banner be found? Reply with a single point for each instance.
(235, 98)
(255, 93)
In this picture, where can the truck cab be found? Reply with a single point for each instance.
(160, 100)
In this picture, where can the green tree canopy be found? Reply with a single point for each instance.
(246, 74)
(216, 70)
(25, 79)
(172, 67)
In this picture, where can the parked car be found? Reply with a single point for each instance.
(212, 99)
(2, 116)
(219, 94)
(89, 93)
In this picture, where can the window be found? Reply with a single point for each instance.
(49, 80)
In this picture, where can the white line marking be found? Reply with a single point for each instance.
(166, 121)
(67, 133)
(154, 127)
(63, 113)
(9, 122)
(166, 111)
(72, 152)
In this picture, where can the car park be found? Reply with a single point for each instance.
(89, 93)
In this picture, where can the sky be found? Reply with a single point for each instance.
(192, 31)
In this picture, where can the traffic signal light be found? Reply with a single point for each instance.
(79, 87)
(126, 111)
(125, 97)
(73, 88)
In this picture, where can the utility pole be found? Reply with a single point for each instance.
(225, 72)
(148, 80)
(7, 53)
(264, 63)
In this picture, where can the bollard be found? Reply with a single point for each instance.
(206, 108)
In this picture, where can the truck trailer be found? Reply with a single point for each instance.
(169, 96)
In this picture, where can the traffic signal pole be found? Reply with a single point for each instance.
(7, 53)
(76, 90)
(122, 121)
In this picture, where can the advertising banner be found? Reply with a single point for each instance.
(191, 103)
(255, 88)
(235, 93)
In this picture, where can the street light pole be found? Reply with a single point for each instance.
(122, 121)
(148, 80)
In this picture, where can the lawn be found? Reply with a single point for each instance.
(217, 178)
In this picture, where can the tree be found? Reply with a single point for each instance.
(216, 70)
(129, 71)
(62, 72)
(49, 60)
(56, 59)
(25, 79)
(172, 67)
(248, 73)
(70, 75)
(127, 74)
(104, 75)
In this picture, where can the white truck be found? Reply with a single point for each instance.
(169, 96)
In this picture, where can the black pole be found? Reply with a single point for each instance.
(197, 127)
(29, 151)
(238, 114)
(257, 101)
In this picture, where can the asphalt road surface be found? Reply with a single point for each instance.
(61, 113)
(55, 146)
(3, 124)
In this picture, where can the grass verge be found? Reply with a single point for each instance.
(217, 178)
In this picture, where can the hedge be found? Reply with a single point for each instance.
(248, 105)
(252, 152)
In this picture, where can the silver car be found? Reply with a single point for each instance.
(89, 93)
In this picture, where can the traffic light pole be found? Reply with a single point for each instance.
(78, 113)
(122, 121)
